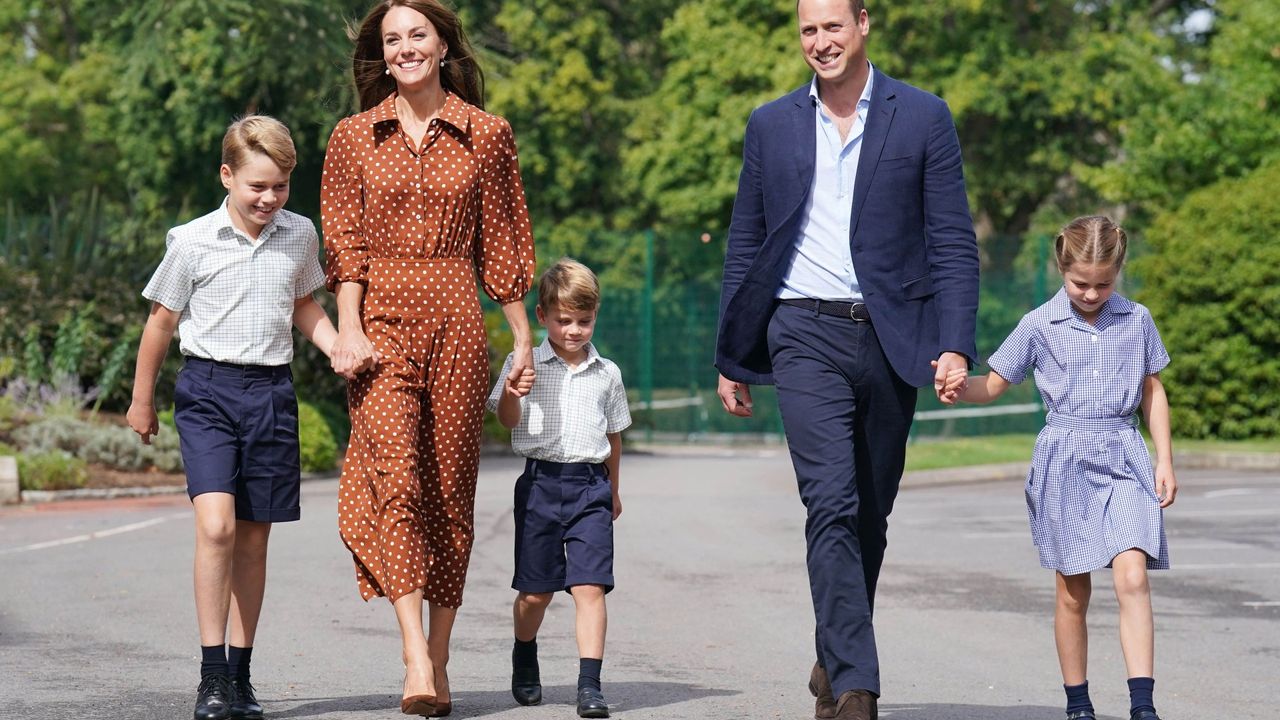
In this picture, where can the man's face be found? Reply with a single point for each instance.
(833, 38)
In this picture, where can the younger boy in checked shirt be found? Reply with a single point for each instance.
(569, 428)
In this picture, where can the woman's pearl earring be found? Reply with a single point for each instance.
(387, 71)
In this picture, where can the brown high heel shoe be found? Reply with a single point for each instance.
(422, 705)
(443, 708)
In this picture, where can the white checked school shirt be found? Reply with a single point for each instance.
(569, 412)
(236, 296)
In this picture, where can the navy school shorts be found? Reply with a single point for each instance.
(564, 527)
(238, 429)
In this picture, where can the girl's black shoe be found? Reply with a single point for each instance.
(1082, 715)
(1144, 715)
(246, 705)
(214, 698)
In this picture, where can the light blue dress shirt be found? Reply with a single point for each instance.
(822, 266)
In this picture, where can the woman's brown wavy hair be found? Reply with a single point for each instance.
(460, 75)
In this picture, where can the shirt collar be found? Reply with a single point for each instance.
(1060, 308)
(223, 220)
(863, 101)
(456, 111)
(545, 353)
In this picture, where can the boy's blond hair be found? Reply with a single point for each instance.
(258, 133)
(569, 285)
(1093, 240)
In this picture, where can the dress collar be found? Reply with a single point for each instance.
(456, 111)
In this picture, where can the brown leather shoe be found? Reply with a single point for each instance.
(856, 705)
(824, 708)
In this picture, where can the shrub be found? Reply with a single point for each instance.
(54, 470)
(1213, 286)
(318, 447)
(112, 446)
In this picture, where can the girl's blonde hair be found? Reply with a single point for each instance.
(569, 285)
(258, 133)
(1092, 240)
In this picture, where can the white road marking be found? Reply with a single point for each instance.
(1226, 566)
(1267, 603)
(94, 535)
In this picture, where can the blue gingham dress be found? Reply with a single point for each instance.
(1091, 491)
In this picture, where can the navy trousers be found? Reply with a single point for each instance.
(847, 415)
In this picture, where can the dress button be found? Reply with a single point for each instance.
(1095, 373)
(1094, 338)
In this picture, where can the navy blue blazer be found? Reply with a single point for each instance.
(911, 234)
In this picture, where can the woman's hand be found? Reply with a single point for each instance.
(352, 353)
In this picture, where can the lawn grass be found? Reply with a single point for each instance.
(984, 450)
(959, 452)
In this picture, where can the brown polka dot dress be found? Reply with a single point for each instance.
(416, 226)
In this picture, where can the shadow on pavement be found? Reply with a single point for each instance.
(312, 707)
(622, 696)
(940, 711)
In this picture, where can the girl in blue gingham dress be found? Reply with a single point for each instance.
(1093, 497)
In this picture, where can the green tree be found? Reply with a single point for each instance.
(1213, 284)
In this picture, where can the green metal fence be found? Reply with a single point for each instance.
(662, 336)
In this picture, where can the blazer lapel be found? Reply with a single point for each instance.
(879, 119)
(803, 119)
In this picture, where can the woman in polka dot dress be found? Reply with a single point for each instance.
(421, 193)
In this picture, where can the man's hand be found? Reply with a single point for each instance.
(735, 396)
(946, 364)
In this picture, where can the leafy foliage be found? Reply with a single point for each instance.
(1213, 285)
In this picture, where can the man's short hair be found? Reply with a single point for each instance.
(856, 5)
(569, 285)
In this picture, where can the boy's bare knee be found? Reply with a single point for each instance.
(216, 531)
(587, 593)
(535, 600)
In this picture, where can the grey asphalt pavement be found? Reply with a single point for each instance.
(711, 617)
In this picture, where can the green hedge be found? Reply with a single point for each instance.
(319, 447)
(1213, 286)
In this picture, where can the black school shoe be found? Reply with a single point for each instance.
(214, 698)
(245, 706)
(1082, 715)
(526, 686)
(1144, 715)
(591, 704)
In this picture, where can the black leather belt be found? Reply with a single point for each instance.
(856, 312)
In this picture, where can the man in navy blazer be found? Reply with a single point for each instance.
(850, 280)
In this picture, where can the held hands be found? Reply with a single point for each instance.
(951, 377)
(735, 396)
(352, 354)
(520, 380)
(142, 419)
(1166, 484)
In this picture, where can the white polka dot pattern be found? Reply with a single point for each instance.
(416, 227)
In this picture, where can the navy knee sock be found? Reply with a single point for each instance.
(524, 654)
(1141, 694)
(589, 673)
(213, 660)
(1078, 697)
(238, 661)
